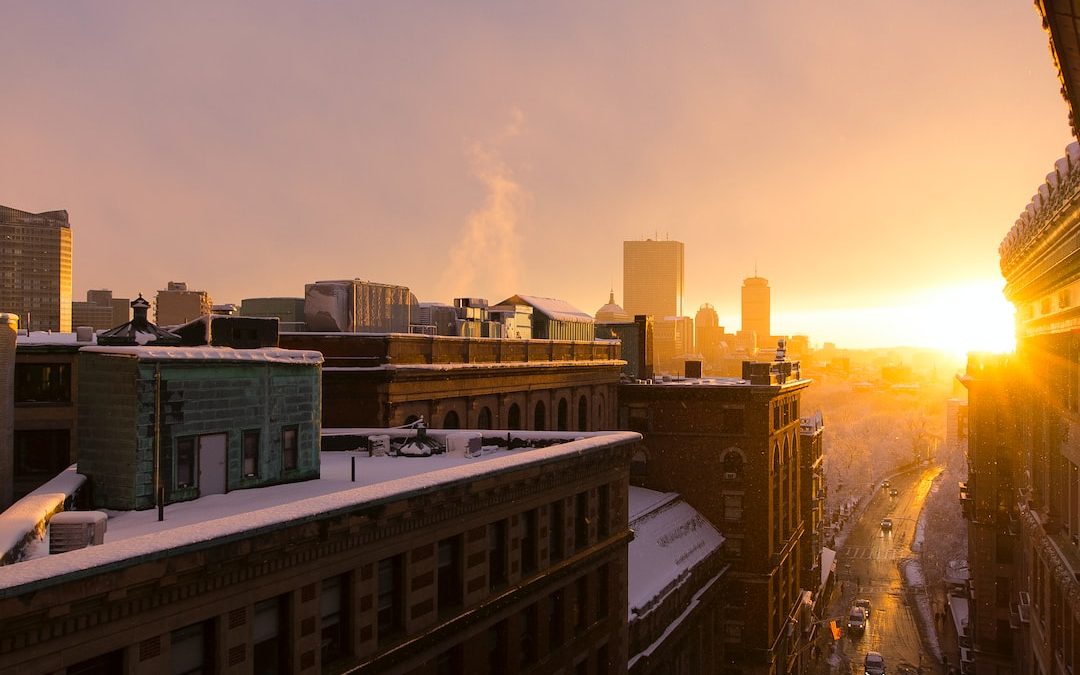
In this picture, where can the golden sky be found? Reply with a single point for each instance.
(862, 155)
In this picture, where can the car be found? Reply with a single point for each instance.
(874, 664)
(886, 523)
(893, 492)
(885, 483)
(856, 622)
(865, 604)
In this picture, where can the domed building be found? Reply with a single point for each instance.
(612, 313)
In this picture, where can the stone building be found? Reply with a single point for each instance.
(289, 311)
(509, 561)
(35, 268)
(468, 383)
(731, 448)
(194, 421)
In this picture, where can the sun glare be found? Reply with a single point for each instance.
(967, 318)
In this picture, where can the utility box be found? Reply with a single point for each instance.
(72, 530)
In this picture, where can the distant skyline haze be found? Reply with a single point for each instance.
(867, 159)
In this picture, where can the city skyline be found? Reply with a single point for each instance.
(747, 135)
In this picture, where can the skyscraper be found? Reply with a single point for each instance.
(756, 308)
(653, 277)
(35, 268)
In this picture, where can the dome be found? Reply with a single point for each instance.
(612, 313)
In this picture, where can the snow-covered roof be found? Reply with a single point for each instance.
(49, 338)
(476, 365)
(670, 539)
(559, 310)
(138, 534)
(204, 353)
(23, 518)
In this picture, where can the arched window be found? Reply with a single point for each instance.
(513, 417)
(583, 414)
(564, 415)
(483, 420)
(451, 421)
(540, 417)
(639, 463)
(776, 456)
(787, 451)
(776, 416)
(733, 464)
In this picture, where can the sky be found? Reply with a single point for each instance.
(866, 158)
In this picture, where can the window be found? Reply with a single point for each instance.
(190, 650)
(581, 520)
(483, 421)
(513, 417)
(556, 619)
(251, 453)
(451, 662)
(639, 464)
(776, 416)
(288, 448)
(564, 415)
(496, 638)
(185, 462)
(105, 664)
(42, 383)
(603, 509)
(529, 542)
(733, 507)
(527, 635)
(451, 421)
(391, 598)
(40, 454)
(603, 591)
(733, 465)
(1001, 592)
(450, 579)
(556, 531)
(497, 551)
(733, 547)
(540, 416)
(583, 414)
(268, 633)
(333, 605)
(581, 604)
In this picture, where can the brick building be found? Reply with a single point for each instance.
(467, 383)
(731, 448)
(511, 561)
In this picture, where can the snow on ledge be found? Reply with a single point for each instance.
(89, 561)
(25, 519)
(260, 355)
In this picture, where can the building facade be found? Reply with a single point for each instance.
(731, 448)
(757, 311)
(289, 311)
(465, 383)
(514, 564)
(35, 268)
(176, 304)
(9, 326)
(100, 310)
(653, 277)
(228, 420)
(357, 306)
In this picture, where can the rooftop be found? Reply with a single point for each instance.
(136, 536)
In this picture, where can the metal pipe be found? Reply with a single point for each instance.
(159, 489)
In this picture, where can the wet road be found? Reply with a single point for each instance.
(868, 566)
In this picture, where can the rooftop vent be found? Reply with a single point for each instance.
(72, 530)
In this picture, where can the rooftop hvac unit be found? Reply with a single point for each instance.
(380, 445)
(467, 443)
(72, 530)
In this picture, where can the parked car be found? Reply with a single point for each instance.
(893, 492)
(885, 483)
(856, 622)
(886, 523)
(874, 664)
(865, 604)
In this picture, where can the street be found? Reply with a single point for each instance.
(868, 567)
